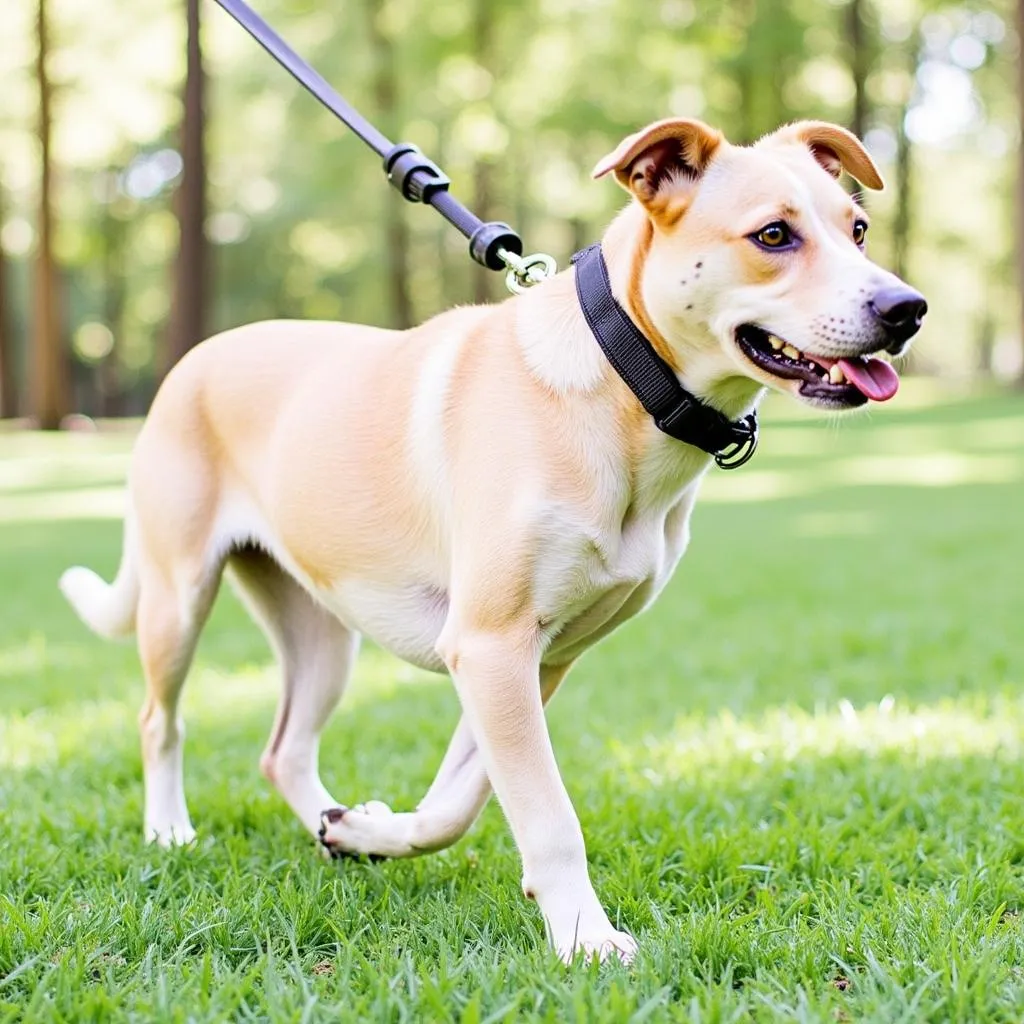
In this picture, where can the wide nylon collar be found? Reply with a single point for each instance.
(674, 410)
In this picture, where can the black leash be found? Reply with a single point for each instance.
(496, 246)
(674, 410)
(492, 244)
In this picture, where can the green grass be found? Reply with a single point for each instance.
(799, 775)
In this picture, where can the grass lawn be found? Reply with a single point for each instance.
(799, 775)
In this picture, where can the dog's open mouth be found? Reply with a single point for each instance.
(844, 382)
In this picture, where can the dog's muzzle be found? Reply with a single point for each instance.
(899, 310)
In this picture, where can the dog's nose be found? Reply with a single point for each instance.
(900, 310)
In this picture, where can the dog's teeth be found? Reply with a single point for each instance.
(788, 350)
(836, 375)
(776, 343)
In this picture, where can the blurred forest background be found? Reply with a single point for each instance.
(161, 178)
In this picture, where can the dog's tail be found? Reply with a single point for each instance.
(108, 609)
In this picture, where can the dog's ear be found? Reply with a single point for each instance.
(674, 148)
(836, 149)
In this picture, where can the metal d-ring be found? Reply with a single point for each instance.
(741, 451)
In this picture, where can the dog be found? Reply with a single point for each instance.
(483, 494)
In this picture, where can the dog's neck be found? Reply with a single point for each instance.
(561, 350)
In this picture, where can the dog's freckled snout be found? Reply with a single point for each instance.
(900, 310)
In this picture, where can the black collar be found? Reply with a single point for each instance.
(675, 411)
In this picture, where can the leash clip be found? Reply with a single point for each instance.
(741, 451)
(526, 271)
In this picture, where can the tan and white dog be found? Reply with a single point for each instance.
(482, 494)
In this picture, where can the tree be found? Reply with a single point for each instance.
(860, 62)
(385, 94)
(901, 226)
(767, 56)
(8, 391)
(483, 170)
(108, 376)
(49, 363)
(188, 314)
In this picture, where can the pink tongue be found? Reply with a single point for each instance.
(872, 377)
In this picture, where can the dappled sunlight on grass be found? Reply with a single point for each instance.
(37, 654)
(949, 729)
(795, 441)
(27, 658)
(933, 469)
(835, 524)
(212, 695)
(47, 736)
(62, 471)
(1007, 432)
(55, 505)
(936, 469)
(756, 485)
(115, 437)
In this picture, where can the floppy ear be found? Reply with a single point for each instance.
(837, 150)
(645, 161)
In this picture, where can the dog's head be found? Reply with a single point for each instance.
(753, 263)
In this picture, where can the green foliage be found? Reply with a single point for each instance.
(799, 774)
(535, 91)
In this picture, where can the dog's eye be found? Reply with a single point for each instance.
(860, 231)
(774, 236)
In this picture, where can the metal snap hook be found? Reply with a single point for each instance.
(526, 271)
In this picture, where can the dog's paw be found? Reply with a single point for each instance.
(340, 829)
(604, 946)
(329, 841)
(170, 834)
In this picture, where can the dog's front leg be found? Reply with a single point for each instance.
(496, 673)
(455, 798)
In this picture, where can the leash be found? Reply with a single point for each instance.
(496, 246)
(492, 244)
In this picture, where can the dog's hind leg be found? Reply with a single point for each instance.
(451, 805)
(316, 653)
(169, 618)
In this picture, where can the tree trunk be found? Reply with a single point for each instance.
(108, 373)
(743, 72)
(483, 170)
(49, 362)
(8, 383)
(901, 225)
(860, 63)
(188, 314)
(396, 228)
(451, 277)
(902, 222)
